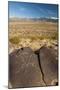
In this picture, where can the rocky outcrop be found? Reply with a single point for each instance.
(49, 66)
(28, 68)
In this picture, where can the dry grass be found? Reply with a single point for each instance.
(32, 34)
(14, 40)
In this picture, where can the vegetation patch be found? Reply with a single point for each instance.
(14, 40)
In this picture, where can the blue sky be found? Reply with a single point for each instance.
(32, 10)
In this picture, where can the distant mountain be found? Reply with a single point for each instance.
(48, 19)
(51, 19)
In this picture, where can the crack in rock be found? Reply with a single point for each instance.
(49, 66)
(28, 68)
(24, 69)
(37, 52)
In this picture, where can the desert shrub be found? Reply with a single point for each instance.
(14, 40)
(41, 37)
(55, 36)
(52, 36)
(35, 37)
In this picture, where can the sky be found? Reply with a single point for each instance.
(32, 10)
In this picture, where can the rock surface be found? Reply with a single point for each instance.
(28, 68)
(24, 69)
(49, 66)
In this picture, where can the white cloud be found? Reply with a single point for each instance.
(54, 18)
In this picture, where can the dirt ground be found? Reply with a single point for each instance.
(33, 34)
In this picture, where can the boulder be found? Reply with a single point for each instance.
(24, 69)
(49, 66)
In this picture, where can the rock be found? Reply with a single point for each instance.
(28, 68)
(24, 70)
(49, 66)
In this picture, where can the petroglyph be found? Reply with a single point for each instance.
(24, 69)
(28, 68)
